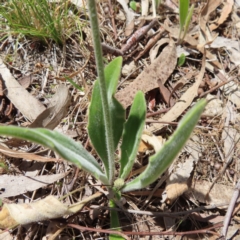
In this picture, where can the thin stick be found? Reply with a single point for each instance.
(228, 215)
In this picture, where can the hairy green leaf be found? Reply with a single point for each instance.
(159, 162)
(66, 147)
(132, 134)
(96, 126)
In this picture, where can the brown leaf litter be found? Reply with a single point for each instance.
(195, 195)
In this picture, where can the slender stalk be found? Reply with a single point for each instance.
(103, 89)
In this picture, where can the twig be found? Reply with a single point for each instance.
(157, 112)
(152, 41)
(167, 214)
(231, 206)
(166, 233)
(215, 88)
(108, 49)
(81, 228)
(137, 36)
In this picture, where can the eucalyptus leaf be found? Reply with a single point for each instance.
(159, 162)
(132, 134)
(96, 126)
(66, 147)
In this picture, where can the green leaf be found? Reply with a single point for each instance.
(183, 12)
(181, 60)
(132, 134)
(187, 21)
(74, 84)
(66, 147)
(159, 162)
(133, 5)
(96, 126)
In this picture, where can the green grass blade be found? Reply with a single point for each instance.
(132, 134)
(187, 22)
(66, 147)
(183, 12)
(159, 162)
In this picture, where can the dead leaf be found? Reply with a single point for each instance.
(166, 94)
(154, 141)
(19, 96)
(177, 183)
(220, 194)
(161, 68)
(226, 10)
(195, 44)
(44, 209)
(15, 185)
(29, 156)
(155, 49)
(25, 81)
(231, 45)
(129, 68)
(52, 116)
(204, 16)
(183, 103)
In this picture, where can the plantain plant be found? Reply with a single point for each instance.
(107, 124)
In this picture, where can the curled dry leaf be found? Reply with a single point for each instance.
(127, 69)
(154, 141)
(161, 68)
(226, 10)
(45, 209)
(154, 50)
(205, 13)
(52, 116)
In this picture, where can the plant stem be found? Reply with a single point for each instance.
(103, 89)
